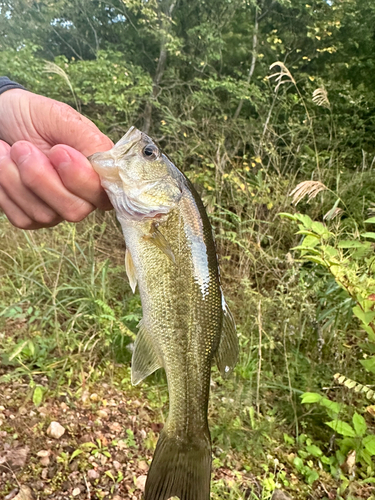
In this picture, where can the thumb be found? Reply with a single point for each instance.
(66, 126)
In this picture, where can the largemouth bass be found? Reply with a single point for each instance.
(186, 325)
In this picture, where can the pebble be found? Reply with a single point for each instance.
(92, 474)
(116, 465)
(94, 397)
(115, 427)
(24, 493)
(141, 482)
(43, 453)
(76, 492)
(142, 465)
(55, 430)
(102, 414)
(44, 461)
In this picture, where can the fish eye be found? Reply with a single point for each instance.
(150, 152)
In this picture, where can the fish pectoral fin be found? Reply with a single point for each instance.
(130, 270)
(145, 359)
(227, 353)
(156, 237)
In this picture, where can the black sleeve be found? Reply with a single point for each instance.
(6, 84)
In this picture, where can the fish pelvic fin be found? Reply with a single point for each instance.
(227, 353)
(130, 270)
(145, 359)
(180, 469)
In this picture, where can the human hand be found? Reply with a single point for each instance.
(45, 176)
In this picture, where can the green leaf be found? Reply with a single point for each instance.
(342, 428)
(286, 215)
(75, 454)
(371, 220)
(365, 317)
(368, 364)
(38, 395)
(359, 424)
(18, 350)
(109, 474)
(319, 228)
(350, 244)
(310, 241)
(314, 450)
(368, 235)
(312, 477)
(331, 405)
(310, 397)
(305, 219)
(369, 444)
(298, 463)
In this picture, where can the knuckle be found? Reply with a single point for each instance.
(30, 178)
(44, 218)
(76, 212)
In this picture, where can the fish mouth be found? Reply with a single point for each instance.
(104, 162)
(132, 136)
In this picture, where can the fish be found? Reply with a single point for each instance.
(186, 324)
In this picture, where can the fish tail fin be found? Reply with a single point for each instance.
(180, 468)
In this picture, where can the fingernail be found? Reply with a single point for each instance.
(20, 152)
(61, 159)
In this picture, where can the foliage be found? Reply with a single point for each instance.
(196, 75)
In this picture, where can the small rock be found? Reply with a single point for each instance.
(92, 475)
(141, 482)
(115, 427)
(24, 493)
(280, 495)
(102, 458)
(85, 396)
(116, 465)
(63, 406)
(143, 465)
(102, 414)
(143, 434)
(45, 461)
(12, 494)
(76, 492)
(55, 430)
(32, 414)
(43, 453)
(94, 397)
(44, 473)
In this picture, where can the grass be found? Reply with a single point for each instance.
(68, 318)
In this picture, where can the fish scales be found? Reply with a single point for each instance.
(171, 256)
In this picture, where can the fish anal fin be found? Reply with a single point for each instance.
(227, 353)
(145, 359)
(130, 270)
(180, 469)
(157, 238)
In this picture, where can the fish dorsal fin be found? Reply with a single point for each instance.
(145, 359)
(156, 237)
(130, 270)
(227, 352)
